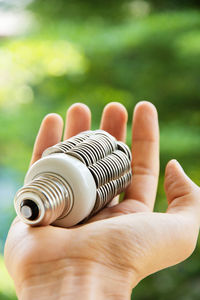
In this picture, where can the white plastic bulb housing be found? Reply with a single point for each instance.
(81, 190)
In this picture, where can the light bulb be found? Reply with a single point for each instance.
(74, 180)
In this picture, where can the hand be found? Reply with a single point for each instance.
(125, 242)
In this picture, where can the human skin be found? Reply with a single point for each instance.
(122, 244)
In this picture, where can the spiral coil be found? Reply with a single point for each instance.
(108, 160)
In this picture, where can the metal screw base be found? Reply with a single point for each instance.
(47, 198)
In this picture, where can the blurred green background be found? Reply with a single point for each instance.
(55, 53)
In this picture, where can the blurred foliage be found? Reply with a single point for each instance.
(97, 52)
(115, 9)
(7, 291)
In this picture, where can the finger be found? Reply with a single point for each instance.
(114, 119)
(183, 194)
(78, 118)
(145, 151)
(49, 134)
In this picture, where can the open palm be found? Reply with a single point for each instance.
(126, 239)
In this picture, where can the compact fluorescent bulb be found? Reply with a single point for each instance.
(74, 180)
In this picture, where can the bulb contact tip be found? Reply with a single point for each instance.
(29, 209)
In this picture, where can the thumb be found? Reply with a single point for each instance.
(182, 193)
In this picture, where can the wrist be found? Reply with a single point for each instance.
(74, 279)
